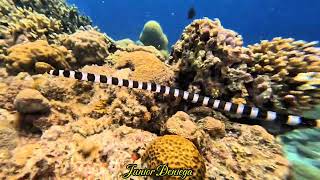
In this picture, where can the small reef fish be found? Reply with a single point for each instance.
(242, 110)
(191, 13)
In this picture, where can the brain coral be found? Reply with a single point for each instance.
(208, 60)
(89, 47)
(293, 70)
(176, 152)
(24, 57)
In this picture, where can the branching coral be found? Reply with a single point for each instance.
(24, 57)
(293, 70)
(282, 74)
(69, 16)
(16, 21)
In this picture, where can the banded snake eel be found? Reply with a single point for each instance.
(239, 109)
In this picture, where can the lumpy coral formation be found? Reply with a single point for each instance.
(59, 128)
(208, 60)
(28, 56)
(89, 47)
(152, 35)
(177, 152)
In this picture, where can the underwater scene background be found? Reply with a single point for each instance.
(254, 20)
(256, 68)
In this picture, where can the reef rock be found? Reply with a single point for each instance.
(23, 57)
(214, 127)
(181, 124)
(31, 101)
(245, 152)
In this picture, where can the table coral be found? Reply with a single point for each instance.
(23, 57)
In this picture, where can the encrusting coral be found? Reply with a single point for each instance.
(26, 57)
(176, 152)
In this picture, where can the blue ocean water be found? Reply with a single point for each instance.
(255, 20)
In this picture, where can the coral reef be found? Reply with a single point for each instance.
(281, 74)
(70, 18)
(27, 56)
(24, 24)
(152, 35)
(301, 147)
(88, 47)
(293, 69)
(176, 152)
(59, 128)
(209, 60)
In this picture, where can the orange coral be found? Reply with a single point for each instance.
(23, 57)
(145, 66)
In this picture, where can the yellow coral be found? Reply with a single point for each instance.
(23, 57)
(176, 152)
(145, 66)
(293, 67)
(89, 47)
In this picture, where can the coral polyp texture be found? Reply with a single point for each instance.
(292, 71)
(176, 152)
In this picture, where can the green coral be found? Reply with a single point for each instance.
(152, 35)
(302, 148)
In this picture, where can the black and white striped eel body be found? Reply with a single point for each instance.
(239, 109)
